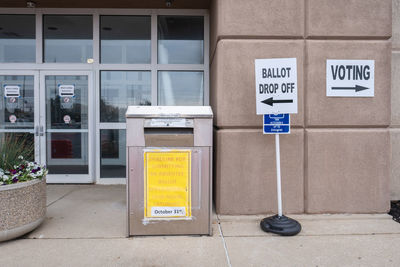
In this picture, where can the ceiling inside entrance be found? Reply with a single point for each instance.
(193, 4)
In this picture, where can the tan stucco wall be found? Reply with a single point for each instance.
(395, 122)
(337, 158)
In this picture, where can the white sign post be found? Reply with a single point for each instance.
(276, 93)
(350, 78)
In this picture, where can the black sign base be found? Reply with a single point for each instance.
(280, 225)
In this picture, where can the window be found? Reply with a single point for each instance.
(138, 57)
(68, 38)
(20, 107)
(119, 89)
(125, 39)
(17, 38)
(180, 88)
(180, 40)
(113, 153)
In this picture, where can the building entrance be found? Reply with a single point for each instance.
(49, 112)
(67, 77)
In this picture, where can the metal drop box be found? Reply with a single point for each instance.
(169, 170)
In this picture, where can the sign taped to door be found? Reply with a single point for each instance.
(66, 90)
(12, 91)
(167, 183)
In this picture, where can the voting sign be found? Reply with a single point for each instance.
(276, 85)
(350, 78)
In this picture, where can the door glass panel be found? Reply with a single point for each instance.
(119, 89)
(16, 102)
(67, 102)
(17, 38)
(67, 153)
(125, 39)
(113, 153)
(180, 40)
(13, 145)
(180, 88)
(68, 38)
(67, 124)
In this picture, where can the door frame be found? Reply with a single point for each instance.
(69, 178)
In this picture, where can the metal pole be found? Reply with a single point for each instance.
(278, 175)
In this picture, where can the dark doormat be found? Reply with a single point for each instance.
(395, 210)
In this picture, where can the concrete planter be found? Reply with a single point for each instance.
(22, 208)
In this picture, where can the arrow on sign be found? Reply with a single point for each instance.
(270, 101)
(357, 88)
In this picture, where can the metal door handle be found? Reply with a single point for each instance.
(41, 130)
(36, 131)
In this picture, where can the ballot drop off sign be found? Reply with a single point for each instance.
(276, 85)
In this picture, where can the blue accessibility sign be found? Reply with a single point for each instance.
(276, 124)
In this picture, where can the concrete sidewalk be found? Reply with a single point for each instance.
(85, 226)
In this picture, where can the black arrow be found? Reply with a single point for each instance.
(270, 101)
(358, 88)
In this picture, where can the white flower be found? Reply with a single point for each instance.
(20, 157)
(5, 177)
(40, 173)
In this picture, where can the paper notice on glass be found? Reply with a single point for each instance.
(66, 90)
(11, 91)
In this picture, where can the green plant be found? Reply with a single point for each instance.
(16, 159)
(13, 146)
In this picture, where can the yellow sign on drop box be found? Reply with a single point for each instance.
(167, 188)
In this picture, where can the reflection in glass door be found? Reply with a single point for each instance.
(18, 113)
(66, 119)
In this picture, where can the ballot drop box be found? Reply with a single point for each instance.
(169, 160)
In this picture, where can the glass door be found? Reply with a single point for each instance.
(66, 126)
(19, 114)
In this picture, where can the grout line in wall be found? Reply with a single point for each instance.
(312, 38)
(252, 129)
(349, 38)
(314, 127)
(349, 127)
(305, 18)
(258, 37)
(305, 151)
(305, 173)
